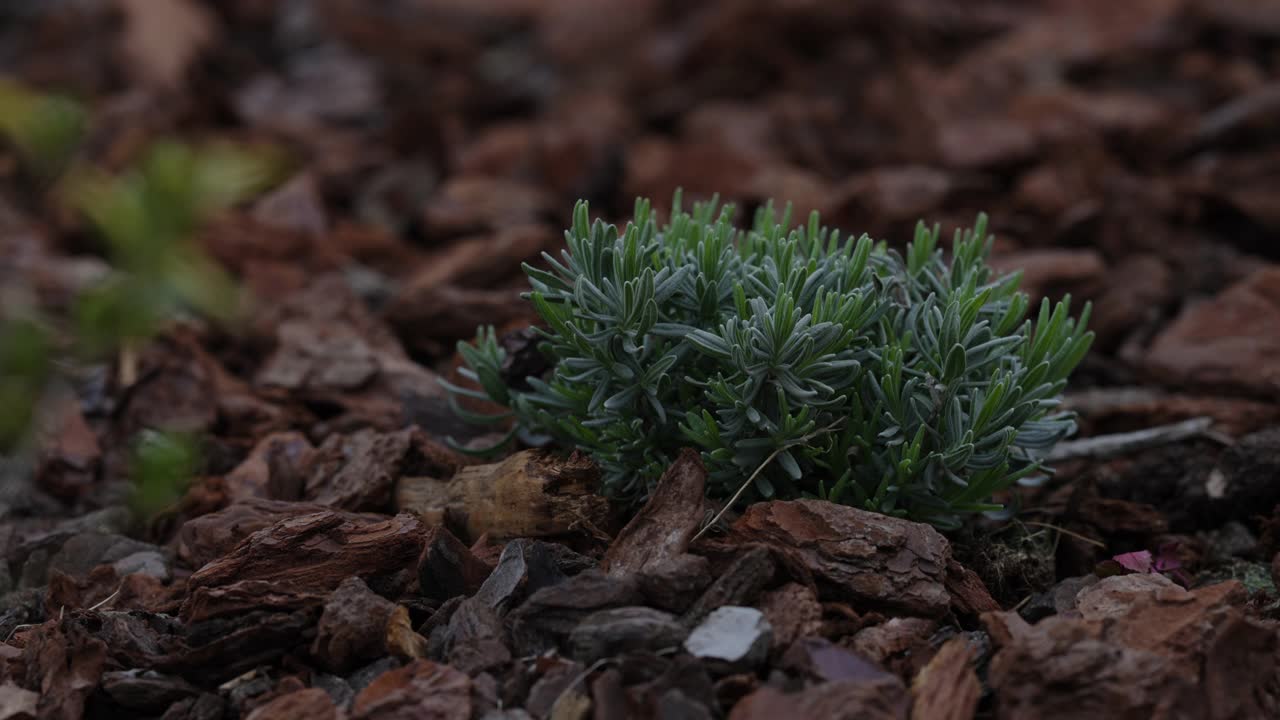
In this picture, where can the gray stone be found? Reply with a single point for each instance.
(112, 520)
(87, 550)
(147, 562)
(731, 639)
(339, 691)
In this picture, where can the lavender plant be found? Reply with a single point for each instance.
(815, 364)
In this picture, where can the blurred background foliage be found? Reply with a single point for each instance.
(146, 218)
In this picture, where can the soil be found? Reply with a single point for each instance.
(335, 557)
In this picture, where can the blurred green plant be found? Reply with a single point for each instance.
(24, 371)
(148, 218)
(162, 465)
(800, 363)
(45, 129)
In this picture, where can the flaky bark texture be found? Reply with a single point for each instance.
(947, 688)
(663, 529)
(299, 560)
(886, 562)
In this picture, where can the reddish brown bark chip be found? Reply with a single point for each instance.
(674, 585)
(272, 470)
(968, 594)
(309, 704)
(421, 690)
(211, 536)
(947, 688)
(896, 643)
(352, 629)
(663, 528)
(1141, 648)
(875, 559)
(301, 559)
(358, 472)
(1230, 341)
(794, 612)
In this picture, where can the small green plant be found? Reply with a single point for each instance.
(812, 364)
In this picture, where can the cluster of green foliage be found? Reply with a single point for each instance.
(147, 218)
(813, 364)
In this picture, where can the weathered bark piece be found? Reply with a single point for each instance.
(211, 536)
(675, 584)
(895, 642)
(358, 472)
(794, 612)
(448, 568)
(606, 633)
(1140, 648)
(968, 595)
(740, 584)
(475, 639)
(947, 688)
(273, 469)
(221, 648)
(548, 616)
(882, 561)
(1063, 667)
(662, 530)
(352, 628)
(309, 704)
(883, 698)
(530, 494)
(421, 690)
(299, 560)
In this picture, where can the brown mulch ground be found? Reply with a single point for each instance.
(335, 558)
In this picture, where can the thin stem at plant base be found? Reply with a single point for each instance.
(1065, 531)
(128, 366)
(743, 487)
